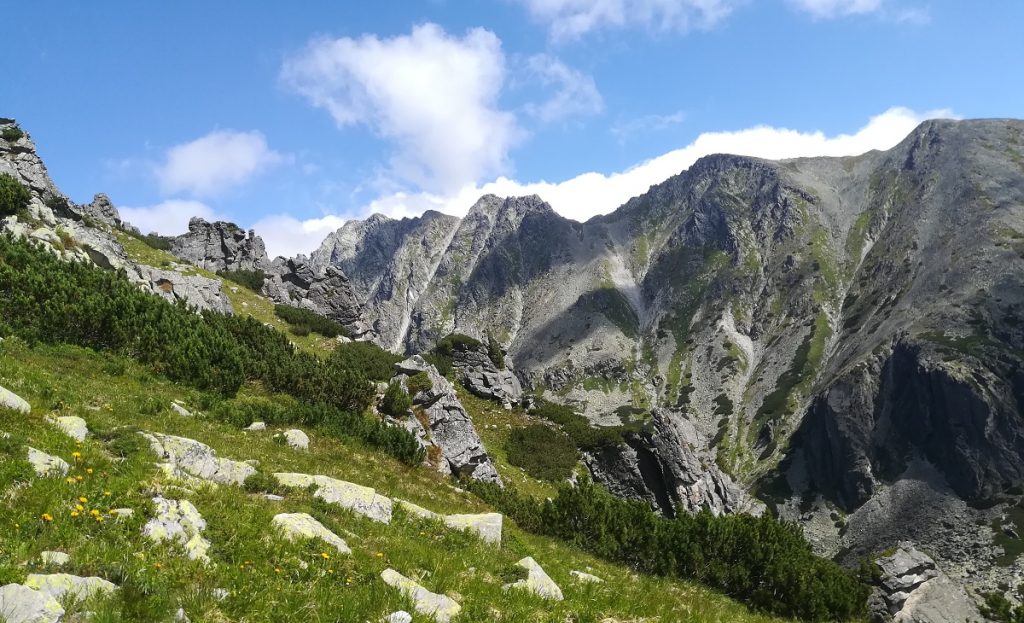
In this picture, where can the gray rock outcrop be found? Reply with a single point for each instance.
(357, 498)
(180, 522)
(196, 459)
(21, 604)
(912, 589)
(440, 607)
(200, 292)
(220, 246)
(480, 375)
(101, 210)
(301, 526)
(536, 581)
(451, 429)
(328, 293)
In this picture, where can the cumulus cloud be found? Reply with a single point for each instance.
(167, 217)
(571, 19)
(828, 9)
(215, 162)
(287, 236)
(434, 95)
(592, 193)
(575, 93)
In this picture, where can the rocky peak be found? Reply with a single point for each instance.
(220, 246)
(102, 210)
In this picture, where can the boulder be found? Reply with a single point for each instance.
(60, 586)
(537, 581)
(398, 617)
(54, 559)
(912, 589)
(357, 498)
(419, 511)
(486, 525)
(10, 400)
(256, 427)
(180, 410)
(480, 375)
(178, 521)
(441, 607)
(220, 246)
(295, 526)
(73, 426)
(198, 459)
(296, 439)
(21, 604)
(328, 293)
(584, 577)
(47, 465)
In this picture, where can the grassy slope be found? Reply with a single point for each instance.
(264, 575)
(243, 300)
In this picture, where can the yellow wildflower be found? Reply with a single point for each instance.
(380, 554)
(70, 480)
(325, 555)
(94, 513)
(76, 455)
(83, 499)
(277, 569)
(47, 517)
(106, 493)
(88, 470)
(79, 478)
(79, 507)
(74, 513)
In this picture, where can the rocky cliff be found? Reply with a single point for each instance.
(220, 246)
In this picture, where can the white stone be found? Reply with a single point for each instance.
(21, 604)
(360, 499)
(415, 509)
(72, 426)
(296, 439)
(441, 607)
(273, 498)
(59, 585)
(47, 465)
(122, 513)
(398, 617)
(179, 521)
(55, 559)
(582, 576)
(220, 594)
(486, 525)
(296, 526)
(537, 581)
(199, 459)
(180, 410)
(10, 400)
(256, 427)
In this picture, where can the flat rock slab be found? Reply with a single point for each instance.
(21, 604)
(357, 498)
(297, 526)
(419, 511)
(256, 427)
(537, 581)
(10, 400)
(179, 521)
(47, 465)
(486, 525)
(441, 607)
(72, 426)
(296, 439)
(198, 459)
(180, 410)
(582, 576)
(60, 585)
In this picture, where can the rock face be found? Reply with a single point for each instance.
(220, 246)
(484, 378)
(200, 292)
(101, 210)
(357, 498)
(302, 526)
(451, 429)
(913, 590)
(663, 467)
(328, 293)
(198, 459)
(441, 607)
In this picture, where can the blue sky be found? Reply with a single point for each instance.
(294, 117)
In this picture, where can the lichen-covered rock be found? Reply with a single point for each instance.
(10, 400)
(198, 459)
(912, 589)
(178, 521)
(256, 427)
(451, 429)
(400, 616)
(64, 585)
(72, 426)
(220, 246)
(537, 581)
(47, 465)
(303, 526)
(441, 607)
(357, 498)
(296, 439)
(101, 210)
(21, 604)
(200, 292)
(486, 525)
(327, 293)
(419, 511)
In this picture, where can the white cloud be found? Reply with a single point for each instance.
(167, 217)
(571, 19)
(215, 162)
(287, 236)
(648, 123)
(828, 9)
(590, 194)
(433, 94)
(575, 92)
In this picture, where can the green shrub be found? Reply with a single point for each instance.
(375, 362)
(302, 321)
(12, 134)
(14, 197)
(443, 363)
(419, 382)
(252, 279)
(544, 453)
(578, 428)
(152, 239)
(494, 351)
(456, 341)
(395, 401)
(263, 483)
(1000, 609)
(758, 560)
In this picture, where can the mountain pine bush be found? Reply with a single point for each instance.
(303, 321)
(14, 197)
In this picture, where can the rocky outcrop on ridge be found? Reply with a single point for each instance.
(912, 589)
(220, 246)
(328, 293)
(480, 375)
